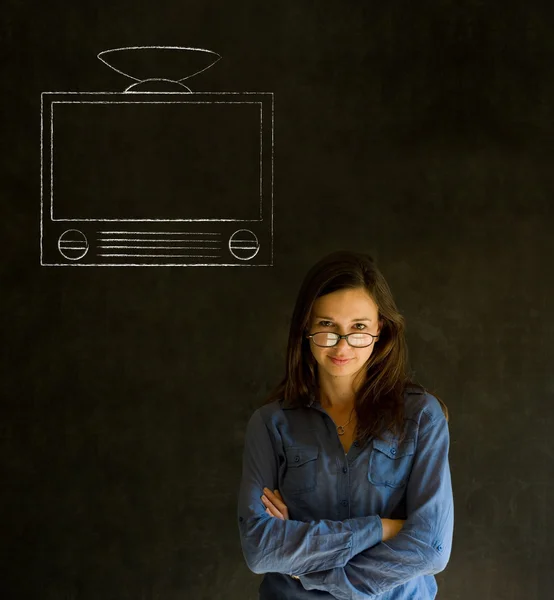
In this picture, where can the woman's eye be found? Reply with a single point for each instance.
(330, 324)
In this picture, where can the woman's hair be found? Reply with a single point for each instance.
(379, 399)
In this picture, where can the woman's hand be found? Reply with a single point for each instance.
(274, 504)
(391, 527)
(276, 508)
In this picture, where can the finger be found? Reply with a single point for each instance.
(274, 510)
(272, 515)
(276, 500)
(282, 505)
(275, 513)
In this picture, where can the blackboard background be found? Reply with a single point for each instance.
(418, 132)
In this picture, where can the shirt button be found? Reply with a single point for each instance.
(296, 458)
(439, 548)
(344, 502)
(241, 519)
(356, 443)
(393, 451)
(344, 470)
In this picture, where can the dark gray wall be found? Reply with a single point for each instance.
(419, 132)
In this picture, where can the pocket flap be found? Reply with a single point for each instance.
(300, 455)
(393, 449)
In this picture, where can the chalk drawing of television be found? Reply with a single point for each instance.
(157, 178)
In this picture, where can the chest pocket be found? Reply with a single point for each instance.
(390, 462)
(301, 473)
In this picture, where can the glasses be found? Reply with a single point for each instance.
(326, 339)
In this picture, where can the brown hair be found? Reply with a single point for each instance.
(379, 400)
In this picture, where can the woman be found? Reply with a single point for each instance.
(346, 490)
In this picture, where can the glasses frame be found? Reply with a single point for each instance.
(343, 337)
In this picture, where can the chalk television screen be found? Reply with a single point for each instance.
(156, 160)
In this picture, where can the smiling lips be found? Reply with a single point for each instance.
(339, 361)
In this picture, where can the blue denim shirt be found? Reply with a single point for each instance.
(333, 537)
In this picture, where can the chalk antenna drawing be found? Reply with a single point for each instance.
(171, 61)
(157, 174)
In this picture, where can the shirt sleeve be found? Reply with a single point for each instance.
(287, 546)
(424, 543)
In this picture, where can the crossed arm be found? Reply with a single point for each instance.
(276, 507)
(290, 546)
(352, 559)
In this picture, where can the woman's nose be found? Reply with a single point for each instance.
(342, 343)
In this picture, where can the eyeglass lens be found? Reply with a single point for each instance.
(330, 339)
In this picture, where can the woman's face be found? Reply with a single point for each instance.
(344, 311)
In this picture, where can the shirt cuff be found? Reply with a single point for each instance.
(366, 532)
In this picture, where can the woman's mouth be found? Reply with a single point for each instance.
(340, 361)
